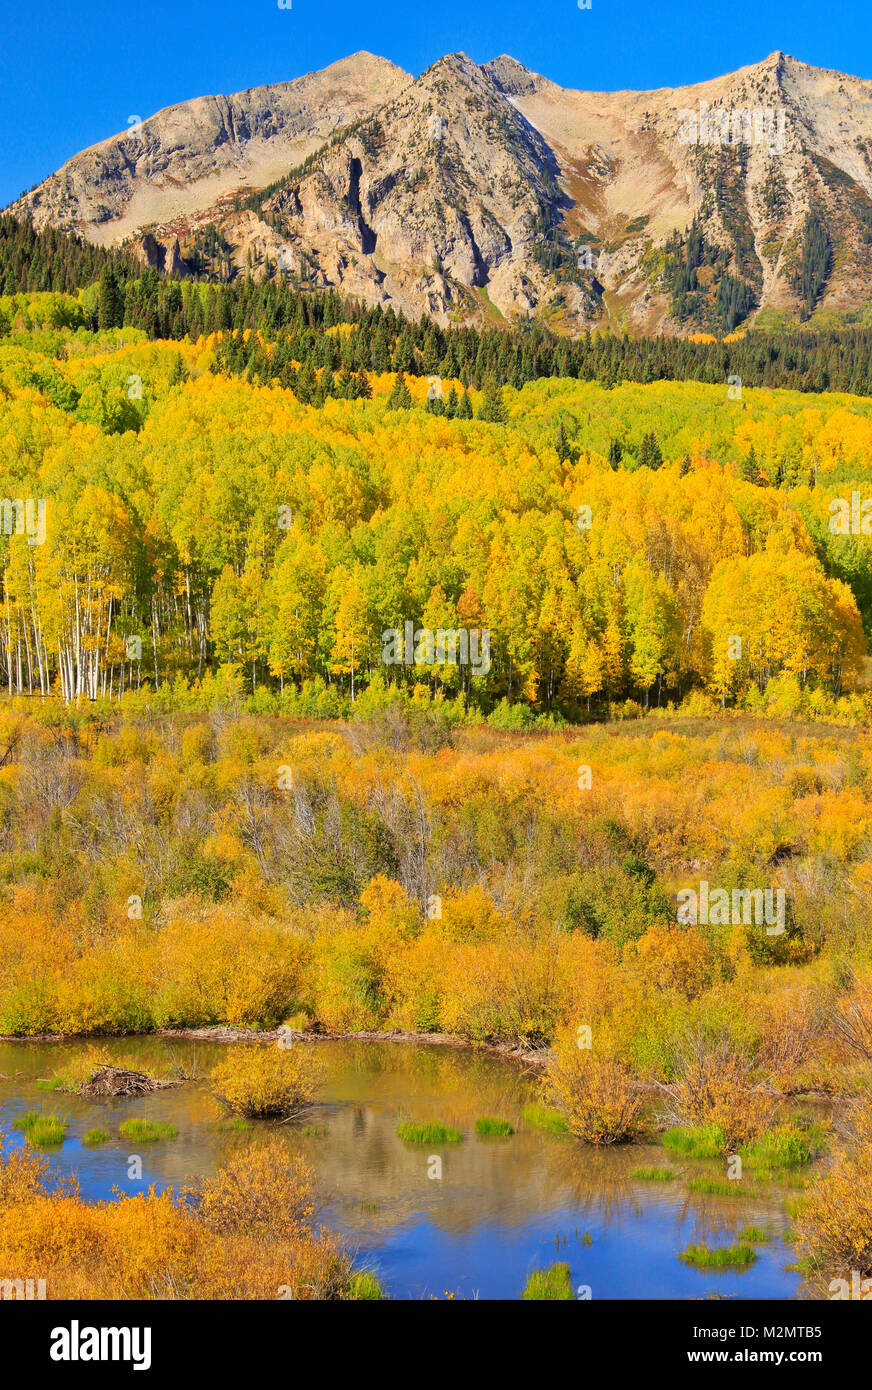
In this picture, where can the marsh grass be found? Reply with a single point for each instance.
(95, 1137)
(141, 1131)
(428, 1132)
(45, 1131)
(755, 1235)
(784, 1147)
(719, 1257)
(365, 1288)
(549, 1285)
(695, 1141)
(719, 1187)
(488, 1125)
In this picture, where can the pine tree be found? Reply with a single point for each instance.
(616, 453)
(492, 408)
(750, 468)
(307, 383)
(399, 399)
(649, 451)
(562, 444)
(110, 302)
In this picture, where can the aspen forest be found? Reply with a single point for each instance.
(366, 681)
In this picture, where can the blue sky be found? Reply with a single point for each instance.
(72, 74)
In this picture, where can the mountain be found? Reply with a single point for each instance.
(188, 160)
(489, 193)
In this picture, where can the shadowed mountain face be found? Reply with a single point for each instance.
(491, 193)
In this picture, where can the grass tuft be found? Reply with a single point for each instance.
(146, 1131)
(719, 1257)
(549, 1285)
(95, 1137)
(755, 1235)
(718, 1187)
(45, 1131)
(489, 1125)
(428, 1132)
(696, 1141)
(364, 1287)
(784, 1146)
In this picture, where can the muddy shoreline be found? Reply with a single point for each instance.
(536, 1059)
(531, 1059)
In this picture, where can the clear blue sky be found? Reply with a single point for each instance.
(71, 74)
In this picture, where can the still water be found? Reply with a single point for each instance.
(501, 1208)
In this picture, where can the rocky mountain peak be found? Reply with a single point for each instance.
(489, 192)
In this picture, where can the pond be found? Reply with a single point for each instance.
(502, 1206)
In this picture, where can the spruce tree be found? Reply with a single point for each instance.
(492, 408)
(399, 399)
(110, 301)
(750, 468)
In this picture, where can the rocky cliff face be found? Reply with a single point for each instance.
(491, 193)
(188, 158)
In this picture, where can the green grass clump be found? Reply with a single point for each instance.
(489, 1125)
(366, 1288)
(51, 1083)
(95, 1137)
(719, 1257)
(785, 1146)
(718, 1187)
(542, 1117)
(653, 1174)
(314, 1131)
(235, 1123)
(429, 1132)
(42, 1130)
(146, 1131)
(755, 1235)
(696, 1141)
(549, 1285)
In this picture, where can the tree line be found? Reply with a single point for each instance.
(301, 328)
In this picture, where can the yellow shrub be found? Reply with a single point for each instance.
(602, 1101)
(264, 1079)
(675, 957)
(833, 1222)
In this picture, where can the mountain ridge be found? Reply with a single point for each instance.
(489, 192)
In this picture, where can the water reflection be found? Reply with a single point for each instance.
(500, 1208)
